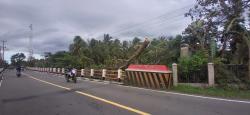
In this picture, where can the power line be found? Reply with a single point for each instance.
(149, 29)
(152, 19)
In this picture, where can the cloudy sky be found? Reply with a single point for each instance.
(56, 22)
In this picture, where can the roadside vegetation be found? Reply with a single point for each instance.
(213, 91)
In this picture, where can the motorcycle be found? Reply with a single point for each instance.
(71, 74)
(18, 73)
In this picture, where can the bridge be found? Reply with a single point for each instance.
(43, 93)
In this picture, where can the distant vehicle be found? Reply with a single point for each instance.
(71, 74)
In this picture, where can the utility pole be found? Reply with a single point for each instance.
(30, 43)
(1, 54)
(3, 48)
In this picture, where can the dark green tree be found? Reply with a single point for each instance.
(17, 59)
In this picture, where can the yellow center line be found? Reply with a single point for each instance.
(94, 97)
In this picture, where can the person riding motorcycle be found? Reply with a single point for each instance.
(18, 71)
(70, 74)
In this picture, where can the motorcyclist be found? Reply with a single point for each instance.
(71, 74)
(18, 70)
(71, 70)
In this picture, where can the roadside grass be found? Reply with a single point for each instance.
(213, 91)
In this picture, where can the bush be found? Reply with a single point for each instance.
(227, 79)
(193, 63)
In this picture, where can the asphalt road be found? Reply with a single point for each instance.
(36, 93)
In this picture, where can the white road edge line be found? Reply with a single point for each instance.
(182, 94)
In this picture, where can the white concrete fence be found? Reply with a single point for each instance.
(83, 72)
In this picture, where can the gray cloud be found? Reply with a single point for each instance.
(56, 22)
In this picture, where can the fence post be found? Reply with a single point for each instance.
(63, 71)
(82, 72)
(175, 74)
(91, 72)
(210, 67)
(58, 70)
(104, 71)
(119, 74)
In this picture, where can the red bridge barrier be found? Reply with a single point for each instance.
(149, 76)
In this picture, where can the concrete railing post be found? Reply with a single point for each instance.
(58, 70)
(104, 71)
(119, 74)
(210, 67)
(119, 71)
(91, 72)
(82, 72)
(63, 71)
(175, 74)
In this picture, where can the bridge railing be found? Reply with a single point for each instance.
(103, 74)
(153, 80)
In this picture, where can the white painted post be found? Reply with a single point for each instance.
(91, 72)
(104, 71)
(175, 74)
(210, 67)
(82, 72)
(119, 73)
(63, 70)
(58, 70)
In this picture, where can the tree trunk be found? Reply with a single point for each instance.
(136, 54)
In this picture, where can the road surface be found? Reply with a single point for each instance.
(36, 93)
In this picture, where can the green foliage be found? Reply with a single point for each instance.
(165, 50)
(195, 62)
(227, 79)
(213, 91)
(17, 59)
(110, 53)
